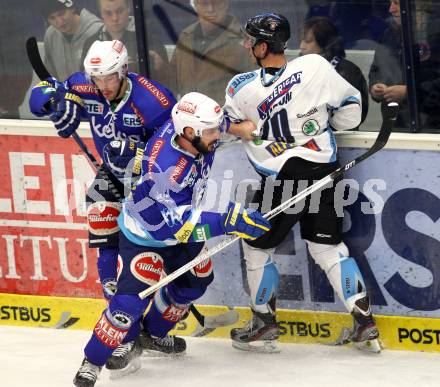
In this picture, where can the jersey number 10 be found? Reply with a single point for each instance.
(277, 127)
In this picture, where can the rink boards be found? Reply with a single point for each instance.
(392, 230)
(296, 326)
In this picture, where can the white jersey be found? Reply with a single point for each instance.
(295, 115)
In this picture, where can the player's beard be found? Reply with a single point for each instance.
(204, 150)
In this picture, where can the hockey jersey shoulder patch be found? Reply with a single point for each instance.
(239, 81)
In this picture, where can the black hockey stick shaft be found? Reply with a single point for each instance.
(390, 115)
(40, 69)
(35, 58)
(199, 317)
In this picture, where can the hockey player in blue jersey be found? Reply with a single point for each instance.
(118, 105)
(162, 228)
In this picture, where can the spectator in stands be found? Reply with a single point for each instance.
(386, 77)
(119, 25)
(428, 64)
(209, 52)
(321, 37)
(15, 70)
(64, 39)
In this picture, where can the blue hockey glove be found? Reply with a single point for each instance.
(41, 99)
(120, 155)
(66, 116)
(245, 223)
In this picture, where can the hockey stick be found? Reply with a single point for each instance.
(209, 322)
(390, 115)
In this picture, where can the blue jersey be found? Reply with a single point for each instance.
(164, 209)
(145, 106)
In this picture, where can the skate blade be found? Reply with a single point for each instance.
(221, 320)
(153, 353)
(264, 346)
(373, 346)
(131, 368)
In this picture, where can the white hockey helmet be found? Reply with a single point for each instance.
(106, 57)
(197, 111)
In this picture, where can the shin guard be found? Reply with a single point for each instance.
(342, 272)
(262, 275)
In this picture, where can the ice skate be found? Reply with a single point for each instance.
(162, 346)
(260, 334)
(124, 360)
(87, 374)
(364, 334)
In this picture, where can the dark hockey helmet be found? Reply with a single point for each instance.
(271, 28)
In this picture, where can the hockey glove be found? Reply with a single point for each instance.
(124, 158)
(67, 107)
(245, 223)
(40, 101)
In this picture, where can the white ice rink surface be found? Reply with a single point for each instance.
(33, 357)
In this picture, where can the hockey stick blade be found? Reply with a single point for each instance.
(35, 58)
(390, 116)
(219, 320)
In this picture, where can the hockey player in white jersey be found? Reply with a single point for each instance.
(295, 107)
